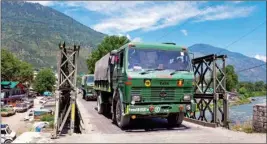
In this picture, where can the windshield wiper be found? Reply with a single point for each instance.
(177, 71)
(156, 69)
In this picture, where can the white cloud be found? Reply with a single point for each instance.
(128, 36)
(127, 16)
(184, 32)
(161, 15)
(237, 2)
(137, 39)
(44, 3)
(261, 57)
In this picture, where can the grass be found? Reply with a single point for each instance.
(243, 127)
(47, 118)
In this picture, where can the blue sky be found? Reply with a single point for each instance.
(214, 23)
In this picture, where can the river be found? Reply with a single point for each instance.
(240, 113)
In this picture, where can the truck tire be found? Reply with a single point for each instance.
(175, 119)
(122, 121)
(8, 141)
(100, 107)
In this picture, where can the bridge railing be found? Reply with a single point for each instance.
(210, 91)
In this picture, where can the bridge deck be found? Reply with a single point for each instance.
(101, 129)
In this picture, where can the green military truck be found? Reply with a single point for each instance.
(142, 80)
(87, 84)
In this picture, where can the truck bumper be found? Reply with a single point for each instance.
(159, 109)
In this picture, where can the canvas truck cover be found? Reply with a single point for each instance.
(102, 71)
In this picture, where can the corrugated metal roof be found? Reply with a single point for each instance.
(11, 83)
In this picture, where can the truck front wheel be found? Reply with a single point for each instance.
(122, 121)
(8, 141)
(175, 119)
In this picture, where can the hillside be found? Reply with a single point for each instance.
(239, 61)
(33, 32)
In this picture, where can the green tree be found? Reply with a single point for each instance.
(13, 69)
(9, 66)
(259, 86)
(44, 81)
(231, 78)
(107, 45)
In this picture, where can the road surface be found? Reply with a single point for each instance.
(154, 131)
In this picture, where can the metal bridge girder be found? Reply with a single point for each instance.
(66, 89)
(204, 67)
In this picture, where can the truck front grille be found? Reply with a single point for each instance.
(160, 94)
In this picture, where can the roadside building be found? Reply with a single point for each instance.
(12, 91)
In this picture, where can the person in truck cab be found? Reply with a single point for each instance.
(148, 60)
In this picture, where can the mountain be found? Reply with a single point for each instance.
(239, 61)
(33, 32)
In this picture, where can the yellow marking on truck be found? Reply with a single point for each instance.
(127, 109)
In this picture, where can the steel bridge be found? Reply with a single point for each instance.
(210, 92)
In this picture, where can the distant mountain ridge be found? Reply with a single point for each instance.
(239, 61)
(33, 32)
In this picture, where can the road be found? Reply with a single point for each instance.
(154, 131)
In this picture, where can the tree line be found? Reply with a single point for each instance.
(14, 69)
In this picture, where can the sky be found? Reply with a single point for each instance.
(238, 26)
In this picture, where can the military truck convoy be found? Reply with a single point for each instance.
(145, 80)
(88, 92)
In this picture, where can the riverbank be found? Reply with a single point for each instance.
(240, 100)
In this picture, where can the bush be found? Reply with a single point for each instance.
(47, 118)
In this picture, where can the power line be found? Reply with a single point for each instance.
(250, 68)
(255, 28)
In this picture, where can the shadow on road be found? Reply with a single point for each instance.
(150, 125)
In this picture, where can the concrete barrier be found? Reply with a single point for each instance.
(259, 121)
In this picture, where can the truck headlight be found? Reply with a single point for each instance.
(136, 98)
(187, 97)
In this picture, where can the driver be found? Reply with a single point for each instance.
(179, 64)
(148, 59)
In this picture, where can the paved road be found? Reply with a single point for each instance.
(104, 131)
(103, 124)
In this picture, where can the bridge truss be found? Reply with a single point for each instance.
(66, 92)
(210, 91)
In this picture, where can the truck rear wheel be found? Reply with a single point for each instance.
(100, 107)
(122, 121)
(175, 119)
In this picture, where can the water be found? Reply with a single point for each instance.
(240, 113)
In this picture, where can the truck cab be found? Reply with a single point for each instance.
(142, 80)
(7, 135)
(88, 92)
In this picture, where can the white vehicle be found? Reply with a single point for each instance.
(7, 135)
(29, 116)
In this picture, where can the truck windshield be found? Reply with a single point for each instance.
(158, 59)
(90, 79)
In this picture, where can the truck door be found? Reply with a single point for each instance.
(118, 70)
